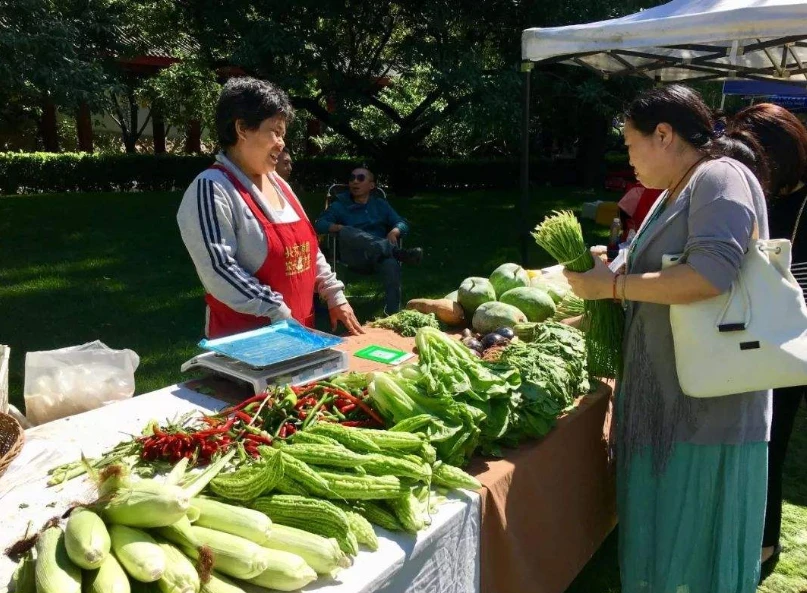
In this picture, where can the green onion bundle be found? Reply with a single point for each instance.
(562, 237)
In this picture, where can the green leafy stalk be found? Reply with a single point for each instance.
(561, 236)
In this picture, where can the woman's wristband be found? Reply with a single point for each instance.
(613, 288)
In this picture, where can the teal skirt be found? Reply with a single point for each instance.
(696, 527)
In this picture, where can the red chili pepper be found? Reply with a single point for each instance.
(283, 431)
(347, 408)
(367, 409)
(291, 430)
(358, 423)
(258, 438)
(245, 418)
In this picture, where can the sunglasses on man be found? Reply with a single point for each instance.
(358, 177)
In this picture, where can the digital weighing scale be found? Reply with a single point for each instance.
(284, 353)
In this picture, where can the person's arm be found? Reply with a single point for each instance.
(394, 220)
(205, 220)
(330, 221)
(721, 223)
(331, 289)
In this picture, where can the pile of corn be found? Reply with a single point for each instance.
(301, 511)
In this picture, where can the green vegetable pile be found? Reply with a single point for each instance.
(458, 401)
(553, 373)
(407, 322)
(561, 236)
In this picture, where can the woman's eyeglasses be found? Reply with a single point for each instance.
(358, 177)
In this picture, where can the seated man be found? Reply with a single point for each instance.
(368, 229)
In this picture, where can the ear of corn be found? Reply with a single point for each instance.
(146, 504)
(180, 575)
(138, 553)
(194, 484)
(310, 514)
(379, 515)
(450, 476)
(179, 533)
(349, 437)
(86, 539)
(234, 556)
(327, 455)
(361, 528)
(344, 486)
(320, 553)
(24, 577)
(250, 481)
(177, 472)
(243, 522)
(109, 578)
(54, 572)
(220, 584)
(286, 572)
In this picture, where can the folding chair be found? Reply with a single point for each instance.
(329, 240)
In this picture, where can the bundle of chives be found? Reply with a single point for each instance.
(561, 236)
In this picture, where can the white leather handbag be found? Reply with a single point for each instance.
(751, 338)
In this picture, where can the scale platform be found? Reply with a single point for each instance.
(284, 353)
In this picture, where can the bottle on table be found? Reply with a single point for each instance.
(614, 239)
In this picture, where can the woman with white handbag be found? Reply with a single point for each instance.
(690, 472)
(783, 138)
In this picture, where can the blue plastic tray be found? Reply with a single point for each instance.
(272, 344)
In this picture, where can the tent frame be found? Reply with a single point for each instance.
(783, 68)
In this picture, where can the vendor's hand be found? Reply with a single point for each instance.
(393, 235)
(344, 313)
(597, 283)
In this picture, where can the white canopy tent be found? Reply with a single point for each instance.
(683, 40)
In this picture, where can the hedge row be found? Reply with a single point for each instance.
(63, 172)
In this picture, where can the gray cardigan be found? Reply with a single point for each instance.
(711, 222)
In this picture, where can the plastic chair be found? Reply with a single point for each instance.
(330, 239)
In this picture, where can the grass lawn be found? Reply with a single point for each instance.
(80, 267)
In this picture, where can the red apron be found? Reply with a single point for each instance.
(289, 267)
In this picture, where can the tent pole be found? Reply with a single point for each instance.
(526, 68)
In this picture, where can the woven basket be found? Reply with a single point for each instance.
(11, 440)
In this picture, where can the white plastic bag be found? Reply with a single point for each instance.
(76, 379)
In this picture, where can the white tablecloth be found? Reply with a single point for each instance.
(442, 559)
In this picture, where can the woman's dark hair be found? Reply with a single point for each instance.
(252, 101)
(782, 137)
(684, 110)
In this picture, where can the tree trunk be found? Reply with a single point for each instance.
(158, 126)
(591, 150)
(84, 128)
(130, 134)
(313, 129)
(48, 128)
(193, 139)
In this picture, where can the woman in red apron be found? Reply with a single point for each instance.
(253, 246)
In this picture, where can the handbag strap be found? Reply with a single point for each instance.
(798, 220)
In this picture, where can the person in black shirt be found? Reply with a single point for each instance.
(783, 139)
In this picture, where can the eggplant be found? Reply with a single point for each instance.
(473, 344)
(505, 332)
(494, 339)
(476, 353)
